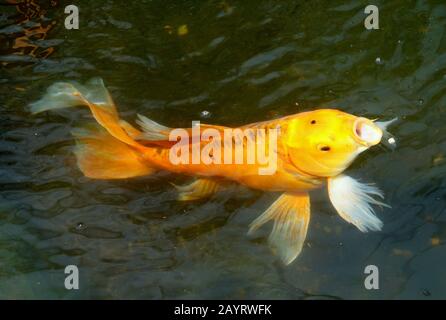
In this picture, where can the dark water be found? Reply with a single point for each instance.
(242, 62)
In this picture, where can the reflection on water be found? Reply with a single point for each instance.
(24, 31)
(230, 62)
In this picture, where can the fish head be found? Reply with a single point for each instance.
(325, 142)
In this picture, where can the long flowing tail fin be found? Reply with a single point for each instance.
(110, 154)
(101, 156)
(93, 95)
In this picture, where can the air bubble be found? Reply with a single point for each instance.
(80, 226)
(205, 114)
(426, 293)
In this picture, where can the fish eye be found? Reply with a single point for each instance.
(313, 122)
(324, 148)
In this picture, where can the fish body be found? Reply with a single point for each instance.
(286, 177)
(301, 152)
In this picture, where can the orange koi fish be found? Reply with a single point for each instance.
(310, 150)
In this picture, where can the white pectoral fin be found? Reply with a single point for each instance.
(291, 215)
(353, 200)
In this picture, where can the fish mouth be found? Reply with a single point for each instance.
(366, 132)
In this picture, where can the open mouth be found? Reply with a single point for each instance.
(367, 132)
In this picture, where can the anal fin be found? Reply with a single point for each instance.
(152, 131)
(291, 215)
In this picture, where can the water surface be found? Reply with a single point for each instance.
(241, 62)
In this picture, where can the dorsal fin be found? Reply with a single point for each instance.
(152, 131)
